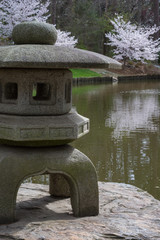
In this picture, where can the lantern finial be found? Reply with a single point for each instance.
(34, 33)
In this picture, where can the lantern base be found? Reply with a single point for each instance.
(42, 131)
(19, 163)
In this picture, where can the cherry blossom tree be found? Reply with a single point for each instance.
(133, 42)
(16, 11)
(64, 38)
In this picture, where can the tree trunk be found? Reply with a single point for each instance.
(106, 8)
(104, 45)
(139, 12)
(156, 12)
(114, 5)
(70, 11)
(155, 8)
(104, 37)
(53, 11)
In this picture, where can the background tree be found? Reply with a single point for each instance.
(155, 8)
(53, 8)
(89, 20)
(65, 39)
(133, 42)
(84, 18)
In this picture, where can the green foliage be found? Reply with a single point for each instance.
(77, 73)
(89, 20)
(85, 89)
(82, 19)
(80, 45)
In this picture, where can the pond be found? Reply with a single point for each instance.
(124, 137)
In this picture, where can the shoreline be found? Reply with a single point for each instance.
(111, 79)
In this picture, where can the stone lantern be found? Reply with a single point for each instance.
(37, 120)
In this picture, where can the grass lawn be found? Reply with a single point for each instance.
(85, 89)
(77, 73)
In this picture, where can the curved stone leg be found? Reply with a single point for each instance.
(81, 176)
(16, 164)
(58, 185)
(7, 205)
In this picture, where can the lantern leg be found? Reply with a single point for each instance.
(7, 202)
(58, 185)
(77, 178)
(17, 164)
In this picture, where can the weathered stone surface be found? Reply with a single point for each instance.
(16, 164)
(35, 91)
(34, 33)
(125, 213)
(42, 130)
(58, 186)
(47, 56)
(32, 54)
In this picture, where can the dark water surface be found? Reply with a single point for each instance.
(124, 137)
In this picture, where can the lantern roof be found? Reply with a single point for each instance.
(34, 49)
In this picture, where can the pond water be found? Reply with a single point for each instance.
(124, 137)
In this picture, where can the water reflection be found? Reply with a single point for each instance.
(134, 111)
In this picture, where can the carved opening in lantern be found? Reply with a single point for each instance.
(11, 91)
(41, 91)
(68, 92)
